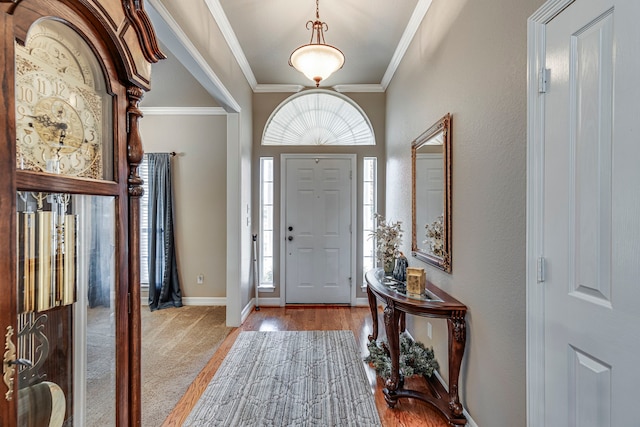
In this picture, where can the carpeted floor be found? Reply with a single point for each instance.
(176, 344)
(291, 378)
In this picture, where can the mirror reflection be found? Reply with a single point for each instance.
(431, 198)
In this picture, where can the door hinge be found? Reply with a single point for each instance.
(350, 174)
(540, 270)
(129, 299)
(543, 80)
(350, 231)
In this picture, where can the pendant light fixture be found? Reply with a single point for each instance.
(317, 60)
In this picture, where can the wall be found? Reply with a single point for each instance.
(200, 142)
(216, 68)
(469, 58)
(199, 187)
(172, 85)
(373, 104)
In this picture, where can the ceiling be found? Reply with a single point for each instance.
(372, 34)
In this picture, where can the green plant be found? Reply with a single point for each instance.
(415, 358)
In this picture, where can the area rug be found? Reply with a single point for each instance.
(289, 378)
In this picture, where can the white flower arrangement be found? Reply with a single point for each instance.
(435, 231)
(388, 240)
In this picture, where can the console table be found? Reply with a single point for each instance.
(434, 303)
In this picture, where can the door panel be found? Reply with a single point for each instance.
(318, 222)
(429, 170)
(590, 194)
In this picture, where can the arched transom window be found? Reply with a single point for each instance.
(318, 117)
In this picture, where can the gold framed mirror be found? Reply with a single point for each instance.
(431, 195)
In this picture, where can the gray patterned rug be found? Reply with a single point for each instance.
(306, 378)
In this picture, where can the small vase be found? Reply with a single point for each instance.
(400, 270)
(389, 264)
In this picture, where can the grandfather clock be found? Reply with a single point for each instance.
(72, 75)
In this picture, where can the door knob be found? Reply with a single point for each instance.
(290, 238)
(290, 228)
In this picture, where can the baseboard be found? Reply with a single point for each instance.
(268, 302)
(246, 311)
(470, 421)
(275, 302)
(362, 302)
(204, 300)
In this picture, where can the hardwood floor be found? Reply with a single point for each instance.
(407, 413)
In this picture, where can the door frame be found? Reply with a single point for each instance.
(535, 342)
(354, 230)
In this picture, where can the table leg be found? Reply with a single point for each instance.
(373, 305)
(391, 319)
(457, 339)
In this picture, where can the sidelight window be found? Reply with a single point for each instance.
(369, 208)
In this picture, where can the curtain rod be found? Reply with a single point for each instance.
(172, 153)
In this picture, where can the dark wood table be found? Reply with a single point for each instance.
(435, 303)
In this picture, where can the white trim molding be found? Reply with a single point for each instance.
(206, 301)
(268, 302)
(217, 12)
(362, 302)
(536, 27)
(174, 38)
(275, 88)
(412, 27)
(183, 111)
(375, 88)
(227, 32)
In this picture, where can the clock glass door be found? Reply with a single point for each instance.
(66, 299)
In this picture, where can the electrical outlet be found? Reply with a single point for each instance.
(429, 329)
(200, 279)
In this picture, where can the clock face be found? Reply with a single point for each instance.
(58, 111)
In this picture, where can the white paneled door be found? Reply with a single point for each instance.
(430, 197)
(317, 229)
(590, 211)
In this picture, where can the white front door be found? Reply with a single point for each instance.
(317, 228)
(590, 216)
(430, 192)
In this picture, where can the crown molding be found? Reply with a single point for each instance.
(232, 41)
(173, 37)
(271, 88)
(217, 12)
(183, 111)
(359, 88)
(412, 27)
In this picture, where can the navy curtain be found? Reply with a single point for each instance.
(164, 283)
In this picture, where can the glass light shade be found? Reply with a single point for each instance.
(317, 61)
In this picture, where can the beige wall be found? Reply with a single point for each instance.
(469, 58)
(199, 184)
(173, 86)
(373, 104)
(206, 39)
